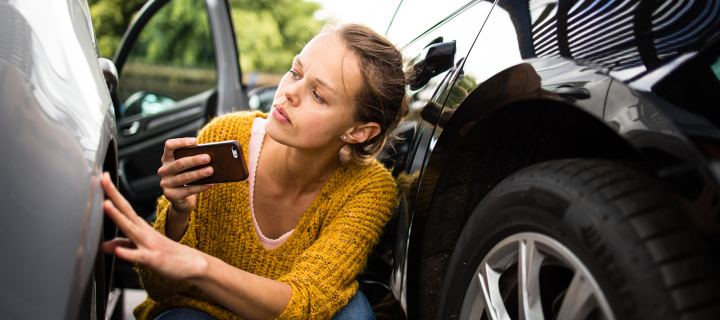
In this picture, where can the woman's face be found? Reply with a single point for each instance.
(313, 106)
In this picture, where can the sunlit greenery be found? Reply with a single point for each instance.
(272, 32)
(269, 33)
(110, 19)
(173, 57)
(176, 35)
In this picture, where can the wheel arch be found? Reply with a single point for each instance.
(110, 164)
(482, 152)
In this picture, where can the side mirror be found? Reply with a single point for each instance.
(435, 59)
(110, 73)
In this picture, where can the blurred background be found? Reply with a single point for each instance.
(178, 59)
(269, 34)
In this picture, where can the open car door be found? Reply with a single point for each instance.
(178, 68)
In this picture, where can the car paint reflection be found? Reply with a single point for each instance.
(582, 46)
(54, 106)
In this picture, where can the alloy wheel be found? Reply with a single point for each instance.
(530, 276)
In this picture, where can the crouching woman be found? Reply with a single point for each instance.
(288, 242)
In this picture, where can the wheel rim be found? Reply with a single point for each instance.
(518, 260)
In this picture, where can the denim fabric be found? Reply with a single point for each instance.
(358, 308)
(184, 314)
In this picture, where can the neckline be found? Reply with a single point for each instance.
(307, 214)
(288, 236)
(258, 142)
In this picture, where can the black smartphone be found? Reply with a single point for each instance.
(226, 159)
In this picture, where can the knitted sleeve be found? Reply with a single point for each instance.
(323, 277)
(160, 288)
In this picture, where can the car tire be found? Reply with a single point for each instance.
(588, 239)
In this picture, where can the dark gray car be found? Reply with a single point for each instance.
(60, 133)
(57, 125)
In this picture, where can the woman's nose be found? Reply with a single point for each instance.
(292, 93)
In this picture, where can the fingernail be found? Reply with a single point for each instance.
(208, 186)
(191, 140)
(208, 170)
(205, 159)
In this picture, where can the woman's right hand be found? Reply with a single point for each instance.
(174, 181)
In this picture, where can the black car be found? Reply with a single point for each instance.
(561, 159)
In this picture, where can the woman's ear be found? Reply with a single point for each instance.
(362, 132)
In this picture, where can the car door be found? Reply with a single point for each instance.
(178, 68)
(435, 40)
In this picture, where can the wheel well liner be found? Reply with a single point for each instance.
(110, 164)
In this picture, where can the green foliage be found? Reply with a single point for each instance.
(110, 19)
(269, 33)
(176, 35)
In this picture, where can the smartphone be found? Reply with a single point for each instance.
(226, 159)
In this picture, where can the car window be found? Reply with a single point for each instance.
(172, 59)
(463, 30)
(262, 98)
(414, 17)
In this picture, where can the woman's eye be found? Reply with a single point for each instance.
(317, 97)
(294, 75)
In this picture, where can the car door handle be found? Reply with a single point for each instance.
(131, 129)
(433, 60)
(577, 93)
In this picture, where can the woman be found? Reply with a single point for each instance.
(288, 242)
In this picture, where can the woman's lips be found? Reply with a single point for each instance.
(280, 116)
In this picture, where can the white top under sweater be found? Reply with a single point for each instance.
(257, 133)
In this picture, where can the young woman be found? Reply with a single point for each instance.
(288, 242)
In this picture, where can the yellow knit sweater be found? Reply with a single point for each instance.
(321, 258)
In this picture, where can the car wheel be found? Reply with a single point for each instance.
(579, 239)
(98, 295)
(89, 303)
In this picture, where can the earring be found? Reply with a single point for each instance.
(344, 137)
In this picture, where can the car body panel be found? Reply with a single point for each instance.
(58, 125)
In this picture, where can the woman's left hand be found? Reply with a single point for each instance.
(144, 244)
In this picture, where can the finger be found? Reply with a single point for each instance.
(173, 144)
(132, 255)
(118, 200)
(183, 164)
(128, 227)
(184, 192)
(186, 178)
(109, 246)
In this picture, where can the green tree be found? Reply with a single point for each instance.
(176, 36)
(269, 33)
(110, 19)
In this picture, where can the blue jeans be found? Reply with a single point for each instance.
(358, 308)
